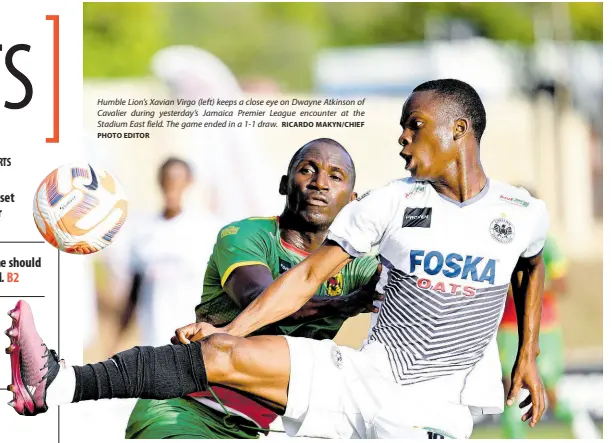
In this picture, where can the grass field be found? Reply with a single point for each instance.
(541, 431)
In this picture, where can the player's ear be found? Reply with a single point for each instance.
(354, 196)
(460, 129)
(282, 187)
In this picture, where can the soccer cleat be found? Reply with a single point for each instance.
(33, 365)
(14, 314)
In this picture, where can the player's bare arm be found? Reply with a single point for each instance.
(247, 283)
(527, 286)
(274, 304)
(299, 283)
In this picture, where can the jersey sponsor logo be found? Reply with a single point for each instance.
(419, 188)
(333, 286)
(446, 288)
(514, 201)
(283, 266)
(230, 230)
(364, 195)
(502, 230)
(417, 218)
(453, 265)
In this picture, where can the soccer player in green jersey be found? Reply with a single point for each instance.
(248, 255)
(550, 361)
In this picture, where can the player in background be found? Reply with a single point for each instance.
(168, 253)
(451, 242)
(550, 361)
(223, 158)
(248, 255)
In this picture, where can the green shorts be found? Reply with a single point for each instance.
(184, 418)
(550, 360)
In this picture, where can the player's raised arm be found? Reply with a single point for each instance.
(249, 282)
(527, 288)
(291, 291)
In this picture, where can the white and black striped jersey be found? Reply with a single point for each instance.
(447, 267)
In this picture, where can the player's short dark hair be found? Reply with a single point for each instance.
(171, 161)
(464, 96)
(324, 141)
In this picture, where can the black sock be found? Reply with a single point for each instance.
(144, 372)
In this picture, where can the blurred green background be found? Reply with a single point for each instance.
(280, 40)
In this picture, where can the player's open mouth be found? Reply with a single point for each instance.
(316, 200)
(408, 159)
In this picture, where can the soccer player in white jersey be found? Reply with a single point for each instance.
(168, 256)
(452, 242)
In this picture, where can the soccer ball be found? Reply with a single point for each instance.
(79, 209)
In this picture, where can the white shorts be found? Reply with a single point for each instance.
(339, 392)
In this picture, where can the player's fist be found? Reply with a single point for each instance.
(525, 375)
(193, 332)
(362, 300)
(374, 279)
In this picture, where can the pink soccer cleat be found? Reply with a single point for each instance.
(33, 365)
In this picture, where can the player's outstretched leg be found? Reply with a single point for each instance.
(258, 365)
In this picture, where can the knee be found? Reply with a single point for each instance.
(223, 356)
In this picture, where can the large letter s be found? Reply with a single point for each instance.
(19, 76)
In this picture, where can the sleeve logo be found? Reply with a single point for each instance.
(364, 195)
(230, 230)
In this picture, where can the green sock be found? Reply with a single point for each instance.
(512, 426)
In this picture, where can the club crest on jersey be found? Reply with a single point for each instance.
(334, 285)
(502, 230)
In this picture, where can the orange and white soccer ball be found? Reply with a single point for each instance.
(79, 209)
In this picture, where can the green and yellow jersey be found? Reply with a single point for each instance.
(257, 241)
(556, 267)
(550, 360)
(253, 241)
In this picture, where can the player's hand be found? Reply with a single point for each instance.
(194, 332)
(371, 286)
(362, 300)
(370, 293)
(525, 375)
